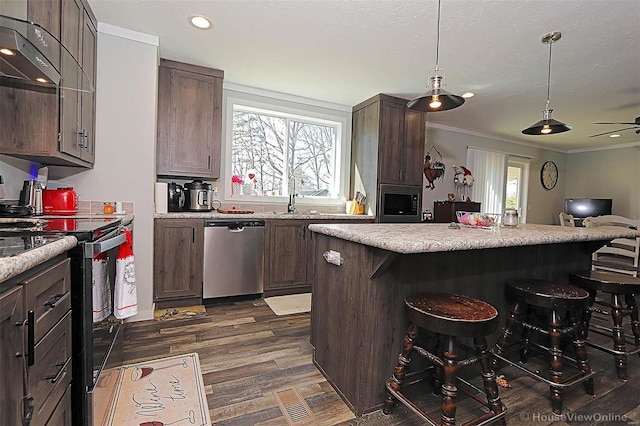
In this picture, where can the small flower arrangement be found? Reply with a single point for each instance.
(236, 179)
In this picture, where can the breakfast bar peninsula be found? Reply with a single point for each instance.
(363, 272)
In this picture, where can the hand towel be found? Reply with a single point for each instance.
(101, 288)
(126, 296)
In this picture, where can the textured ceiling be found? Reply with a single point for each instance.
(346, 51)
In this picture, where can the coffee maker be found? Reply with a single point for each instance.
(31, 195)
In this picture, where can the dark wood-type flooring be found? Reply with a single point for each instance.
(247, 354)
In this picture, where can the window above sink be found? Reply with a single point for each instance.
(279, 147)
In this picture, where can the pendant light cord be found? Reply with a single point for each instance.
(549, 76)
(438, 37)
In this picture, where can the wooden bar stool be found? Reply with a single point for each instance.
(556, 299)
(620, 287)
(449, 316)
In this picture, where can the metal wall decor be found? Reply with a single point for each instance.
(433, 167)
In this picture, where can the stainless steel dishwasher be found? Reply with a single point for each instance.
(233, 257)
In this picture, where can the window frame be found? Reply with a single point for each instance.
(301, 109)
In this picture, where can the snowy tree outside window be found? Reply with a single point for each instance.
(278, 154)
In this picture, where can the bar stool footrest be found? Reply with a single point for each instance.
(467, 387)
(611, 351)
(570, 381)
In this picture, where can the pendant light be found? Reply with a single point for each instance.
(548, 125)
(436, 99)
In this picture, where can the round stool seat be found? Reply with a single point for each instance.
(609, 282)
(451, 314)
(547, 294)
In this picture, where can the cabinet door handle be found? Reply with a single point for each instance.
(63, 366)
(31, 335)
(209, 162)
(84, 141)
(59, 299)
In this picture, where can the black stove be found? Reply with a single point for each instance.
(84, 229)
(13, 245)
(19, 235)
(94, 343)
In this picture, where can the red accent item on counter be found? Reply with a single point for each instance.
(61, 201)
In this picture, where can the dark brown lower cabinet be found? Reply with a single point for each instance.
(35, 331)
(177, 260)
(288, 260)
(11, 304)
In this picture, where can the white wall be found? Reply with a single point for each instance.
(126, 99)
(14, 172)
(612, 173)
(543, 205)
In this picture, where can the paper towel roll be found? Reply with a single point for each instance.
(162, 197)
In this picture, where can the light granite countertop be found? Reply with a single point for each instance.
(259, 215)
(14, 265)
(410, 238)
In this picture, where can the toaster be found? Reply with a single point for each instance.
(61, 201)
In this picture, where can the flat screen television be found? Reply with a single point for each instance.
(581, 208)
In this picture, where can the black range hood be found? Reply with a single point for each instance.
(22, 44)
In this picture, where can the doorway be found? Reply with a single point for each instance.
(516, 187)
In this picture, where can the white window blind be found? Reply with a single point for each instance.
(489, 169)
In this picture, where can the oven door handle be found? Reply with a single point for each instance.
(97, 247)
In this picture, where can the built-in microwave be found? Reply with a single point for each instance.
(399, 203)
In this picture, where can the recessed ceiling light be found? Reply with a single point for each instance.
(200, 21)
(468, 95)
(42, 80)
(615, 135)
(7, 52)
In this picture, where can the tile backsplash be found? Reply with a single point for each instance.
(95, 207)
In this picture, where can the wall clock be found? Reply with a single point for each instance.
(549, 175)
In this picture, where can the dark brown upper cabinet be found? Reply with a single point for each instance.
(189, 120)
(389, 138)
(54, 126)
(387, 145)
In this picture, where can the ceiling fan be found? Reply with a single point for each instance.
(635, 125)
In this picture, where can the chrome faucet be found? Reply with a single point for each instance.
(291, 207)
